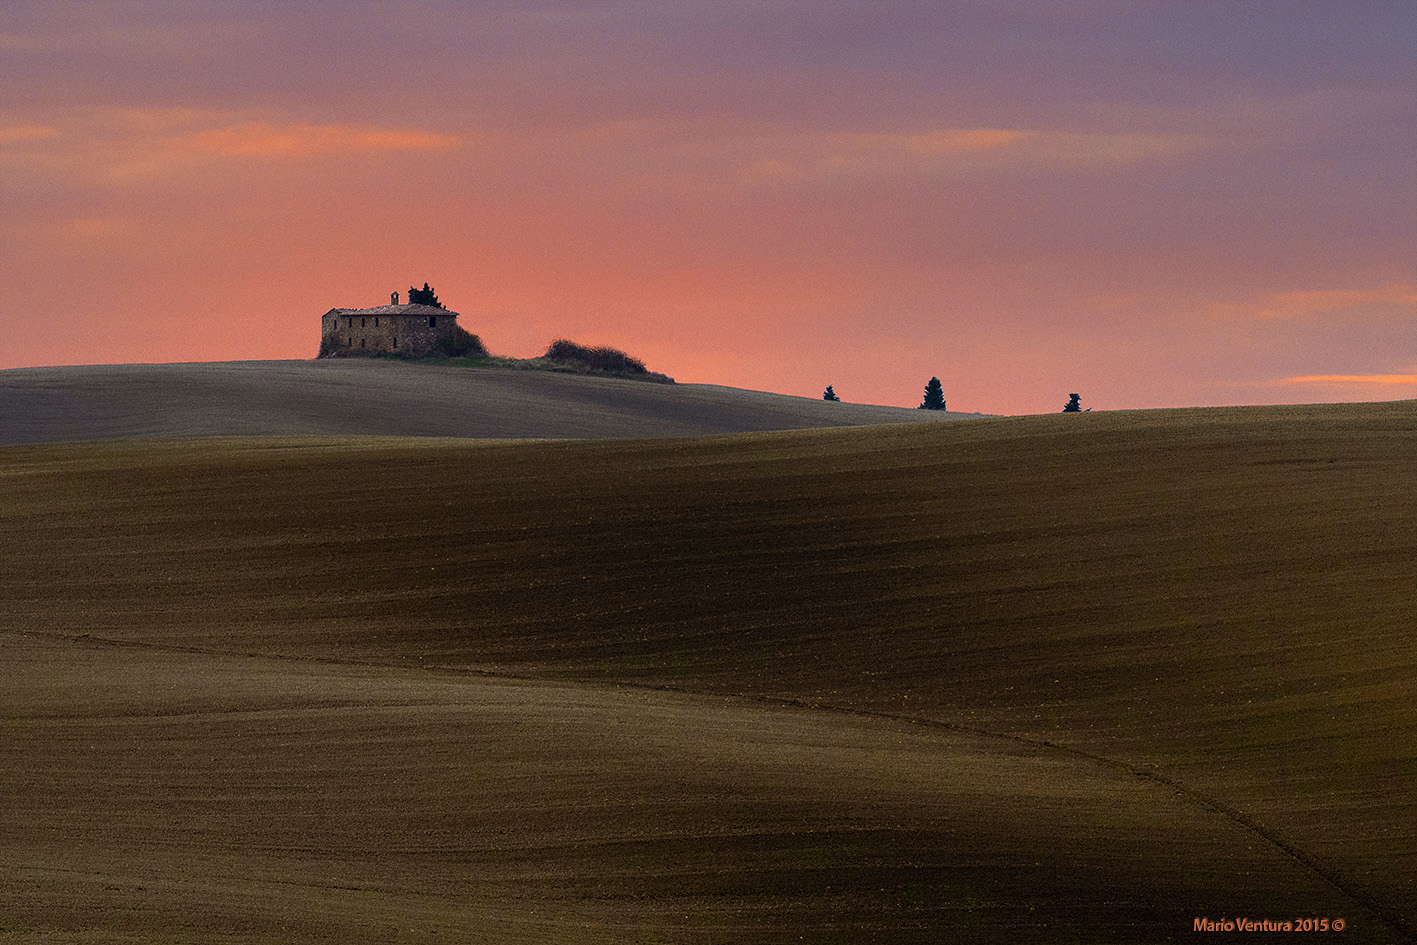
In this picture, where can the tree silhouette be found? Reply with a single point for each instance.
(460, 343)
(423, 296)
(934, 396)
(1074, 404)
(597, 359)
(830, 394)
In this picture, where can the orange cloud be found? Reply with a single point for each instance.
(9, 133)
(813, 155)
(1081, 150)
(85, 236)
(816, 155)
(1399, 298)
(268, 139)
(954, 140)
(1040, 146)
(115, 145)
(1337, 302)
(1353, 379)
(26, 43)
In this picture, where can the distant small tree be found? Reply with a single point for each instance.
(934, 396)
(830, 394)
(423, 296)
(1074, 404)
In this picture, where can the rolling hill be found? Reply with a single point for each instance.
(1045, 679)
(361, 396)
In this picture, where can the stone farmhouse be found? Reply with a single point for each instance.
(410, 329)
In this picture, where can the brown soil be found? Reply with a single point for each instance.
(1077, 679)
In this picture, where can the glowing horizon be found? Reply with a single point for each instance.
(1148, 206)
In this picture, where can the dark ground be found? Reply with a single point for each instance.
(1051, 679)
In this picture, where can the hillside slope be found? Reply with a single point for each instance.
(349, 396)
(1062, 678)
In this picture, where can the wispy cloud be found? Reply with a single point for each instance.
(1339, 302)
(1352, 379)
(947, 140)
(1119, 149)
(96, 30)
(817, 155)
(1398, 298)
(115, 145)
(28, 132)
(22, 43)
(269, 139)
(86, 235)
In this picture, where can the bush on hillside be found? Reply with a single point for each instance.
(830, 394)
(460, 343)
(1074, 404)
(612, 360)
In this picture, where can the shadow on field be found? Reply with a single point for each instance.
(884, 683)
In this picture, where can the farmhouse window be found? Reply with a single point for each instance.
(396, 343)
(432, 321)
(361, 342)
(376, 321)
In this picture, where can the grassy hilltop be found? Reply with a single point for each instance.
(387, 397)
(1044, 679)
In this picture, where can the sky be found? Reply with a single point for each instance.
(1151, 204)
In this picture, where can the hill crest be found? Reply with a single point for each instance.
(362, 396)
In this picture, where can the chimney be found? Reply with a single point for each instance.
(393, 298)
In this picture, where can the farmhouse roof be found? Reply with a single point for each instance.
(408, 309)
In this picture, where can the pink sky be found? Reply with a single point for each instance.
(1147, 203)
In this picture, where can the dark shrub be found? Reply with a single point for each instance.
(423, 296)
(563, 350)
(830, 394)
(610, 360)
(460, 343)
(1074, 404)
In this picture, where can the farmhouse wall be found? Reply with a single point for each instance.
(388, 328)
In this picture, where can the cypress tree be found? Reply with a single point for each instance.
(934, 396)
